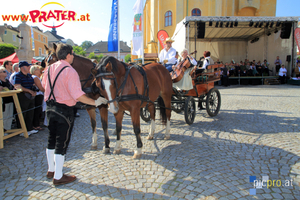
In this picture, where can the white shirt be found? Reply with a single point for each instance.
(39, 92)
(168, 55)
(209, 62)
(282, 71)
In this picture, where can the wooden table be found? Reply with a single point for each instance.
(12, 132)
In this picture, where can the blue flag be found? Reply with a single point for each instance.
(112, 44)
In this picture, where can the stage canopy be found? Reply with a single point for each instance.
(238, 28)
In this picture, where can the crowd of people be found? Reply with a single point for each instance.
(23, 76)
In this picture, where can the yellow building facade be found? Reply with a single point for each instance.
(165, 14)
(40, 40)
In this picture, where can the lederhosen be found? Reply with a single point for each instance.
(60, 120)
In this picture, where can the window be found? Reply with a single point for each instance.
(196, 12)
(44, 39)
(168, 18)
(14, 37)
(45, 52)
(5, 32)
(40, 51)
(39, 37)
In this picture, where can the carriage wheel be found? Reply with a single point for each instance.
(189, 110)
(213, 102)
(145, 114)
(176, 107)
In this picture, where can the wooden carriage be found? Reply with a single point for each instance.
(204, 93)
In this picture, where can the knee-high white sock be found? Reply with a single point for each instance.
(59, 164)
(50, 159)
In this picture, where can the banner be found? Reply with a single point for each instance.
(162, 35)
(112, 44)
(137, 36)
(297, 37)
(32, 39)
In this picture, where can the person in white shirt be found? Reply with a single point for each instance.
(207, 60)
(186, 82)
(167, 55)
(282, 74)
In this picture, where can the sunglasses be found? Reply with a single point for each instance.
(3, 72)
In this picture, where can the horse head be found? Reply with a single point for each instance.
(51, 56)
(107, 77)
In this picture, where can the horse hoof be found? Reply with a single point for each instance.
(106, 150)
(117, 151)
(150, 137)
(167, 137)
(94, 148)
(137, 156)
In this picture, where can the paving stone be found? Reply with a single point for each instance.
(213, 157)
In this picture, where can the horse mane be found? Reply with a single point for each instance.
(103, 62)
(81, 57)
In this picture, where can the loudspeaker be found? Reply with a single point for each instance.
(200, 29)
(286, 30)
(288, 58)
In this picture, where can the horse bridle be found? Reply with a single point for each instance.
(120, 89)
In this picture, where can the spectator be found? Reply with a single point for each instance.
(16, 69)
(225, 74)
(298, 60)
(297, 70)
(8, 66)
(277, 64)
(259, 68)
(282, 74)
(24, 81)
(35, 70)
(7, 106)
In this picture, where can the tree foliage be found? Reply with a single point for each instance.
(97, 57)
(78, 50)
(6, 50)
(86, 44)
(128, 58)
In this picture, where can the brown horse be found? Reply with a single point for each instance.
(126, 88)
(83, 67)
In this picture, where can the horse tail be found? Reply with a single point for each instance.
(162, 110)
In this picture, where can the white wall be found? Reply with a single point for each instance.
(224, 51)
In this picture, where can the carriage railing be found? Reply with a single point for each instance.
(211, 74)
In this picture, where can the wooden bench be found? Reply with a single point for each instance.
(12, 132)
(148, 57)
(211, 74)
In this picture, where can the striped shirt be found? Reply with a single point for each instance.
(25, 81)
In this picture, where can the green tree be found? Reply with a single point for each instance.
(97, 57)
(128, 58)
(6, 50)
(78, 50)
(86, 44)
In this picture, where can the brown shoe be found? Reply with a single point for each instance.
(64, 180)
(50, 174)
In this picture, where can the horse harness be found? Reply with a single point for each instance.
(129, 97)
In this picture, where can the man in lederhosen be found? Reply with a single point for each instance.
(62, 91)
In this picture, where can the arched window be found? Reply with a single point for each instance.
(196, 12)
(168, 18)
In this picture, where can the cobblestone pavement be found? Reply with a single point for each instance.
(256, 133)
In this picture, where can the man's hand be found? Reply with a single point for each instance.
(165, 61)
(100, 101)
